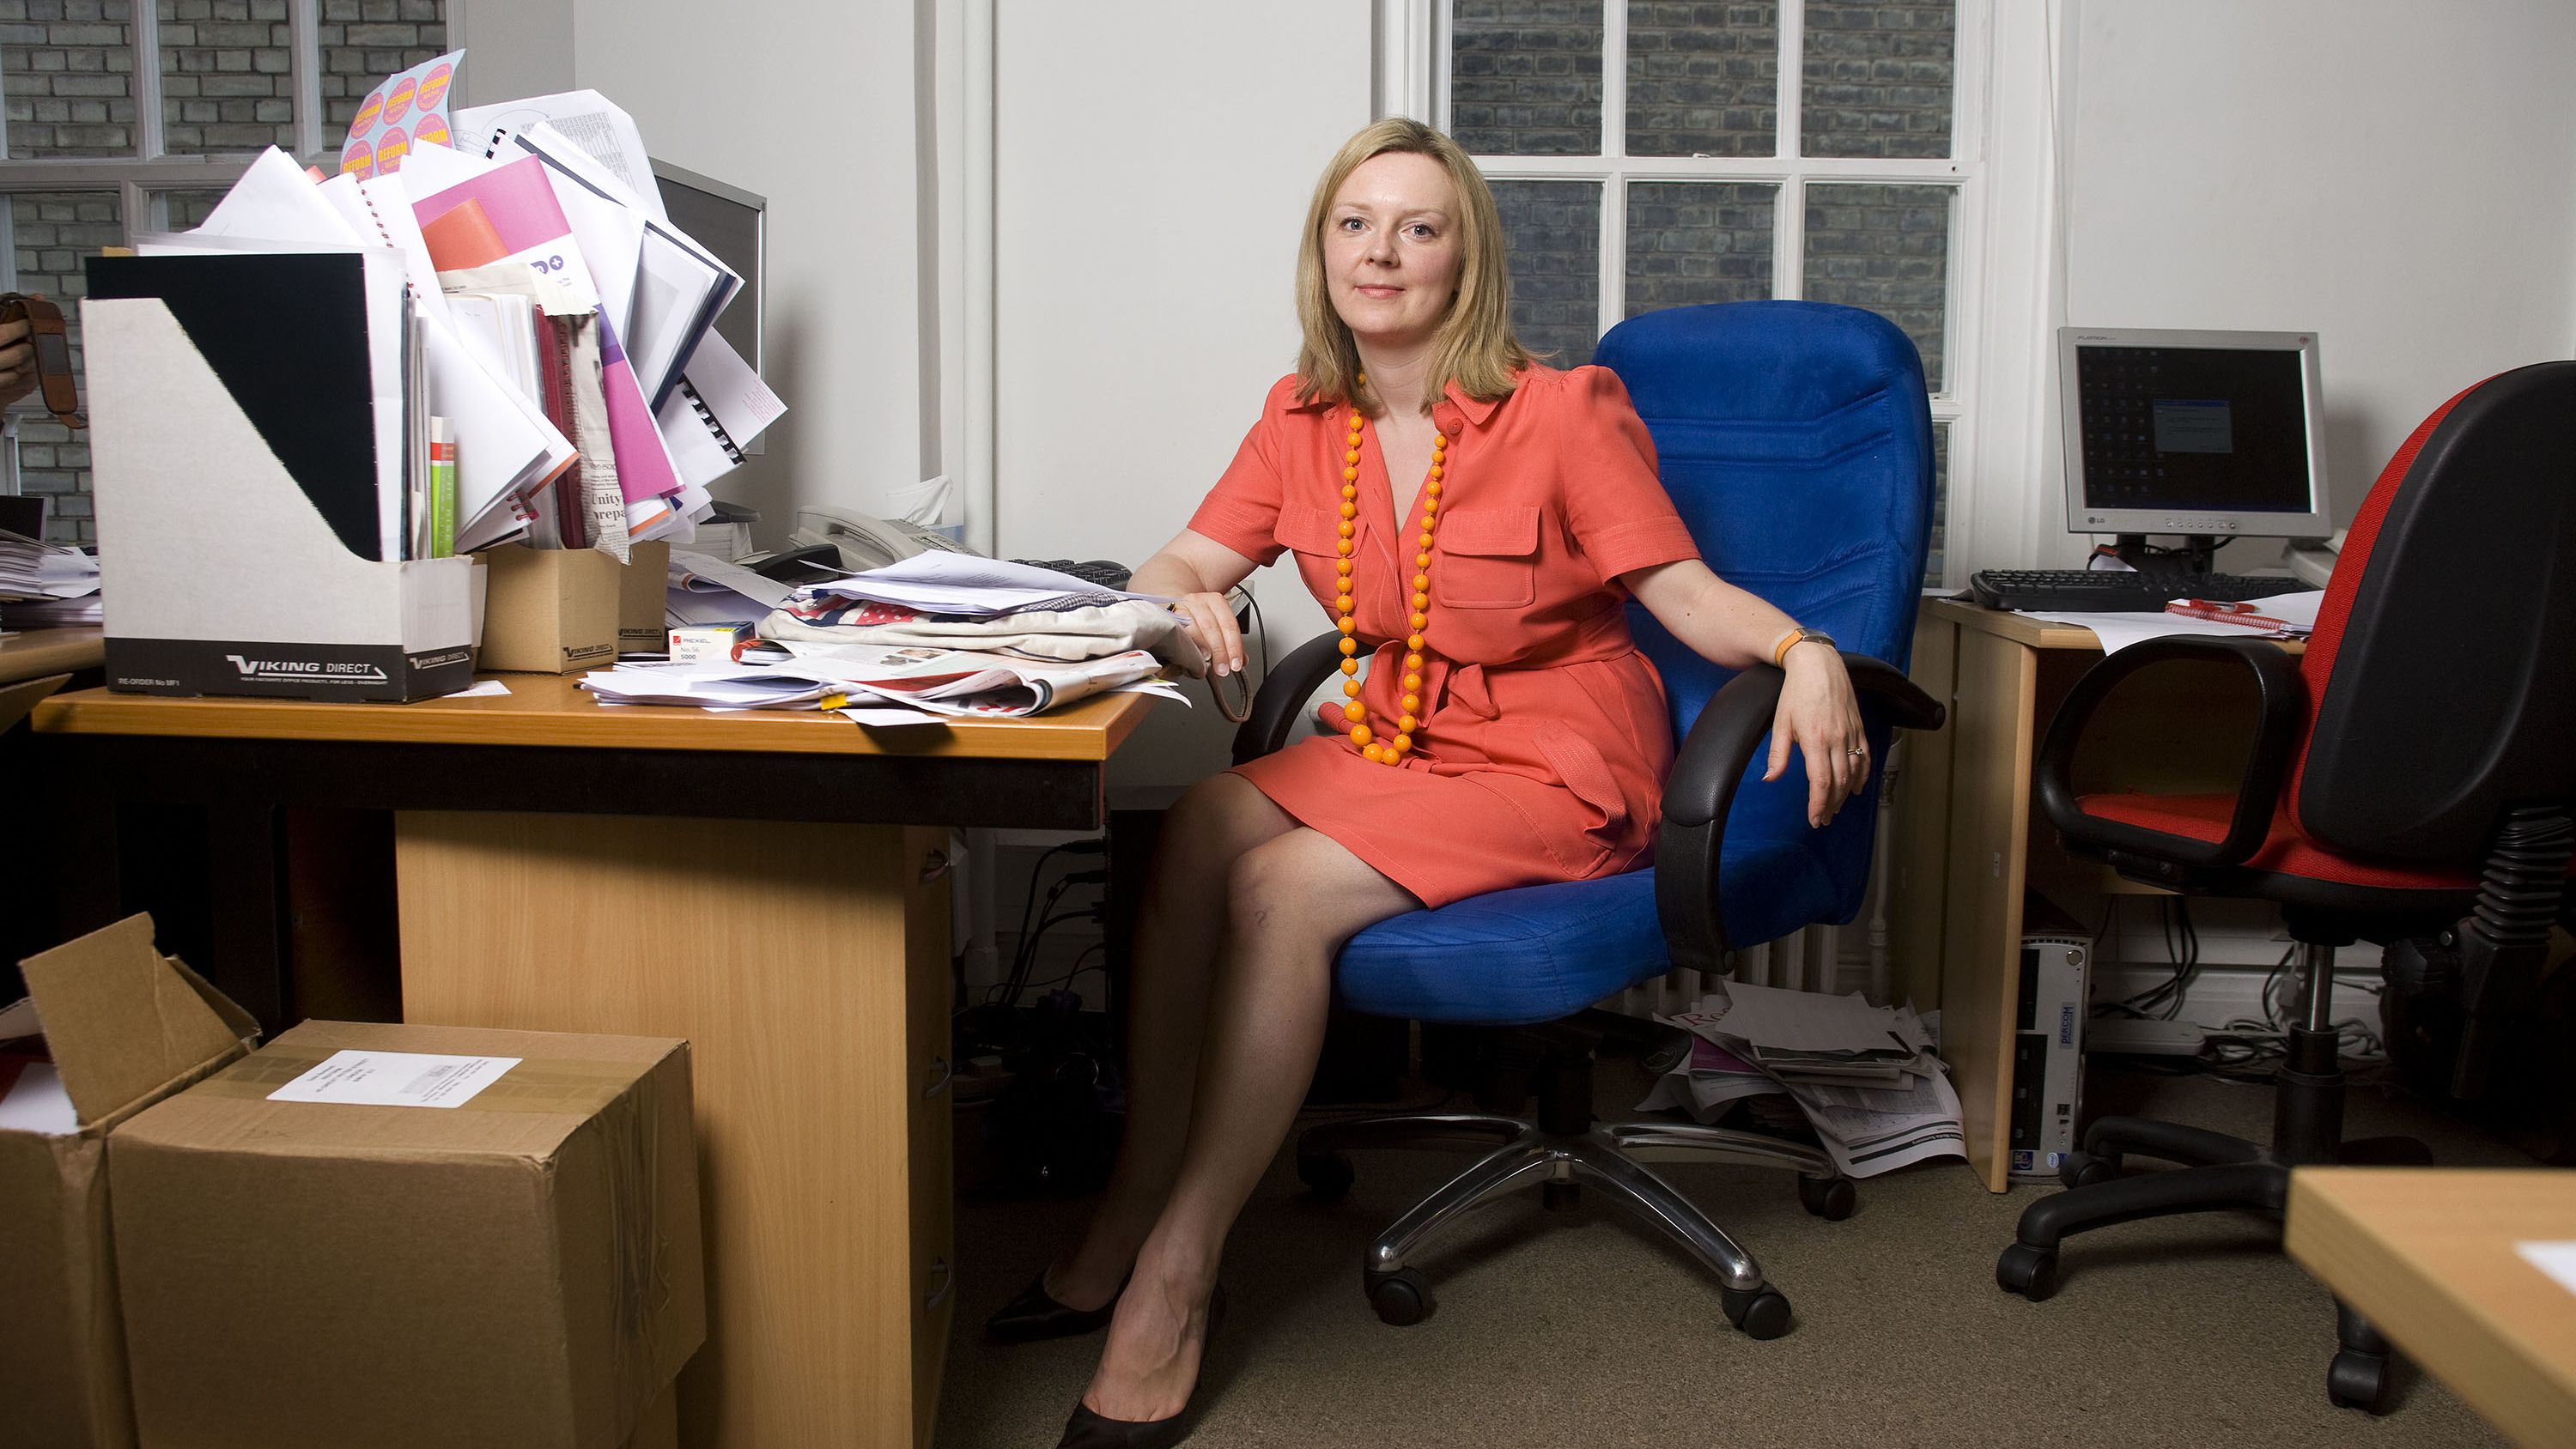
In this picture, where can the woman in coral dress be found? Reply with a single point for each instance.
(1473, 523)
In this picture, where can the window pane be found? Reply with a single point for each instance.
(1886, 248)
(224, 81)
(186, 210)
(363, 41)
(1552, 234)
(69, 82)
(1703, 79)
(1525, 77)
(51, 233)
(1940, 505)
(1878, 78)
(1693, 242)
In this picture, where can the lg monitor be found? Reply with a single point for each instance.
(2210, 435)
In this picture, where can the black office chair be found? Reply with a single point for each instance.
(2409, 783)
(1795, 441)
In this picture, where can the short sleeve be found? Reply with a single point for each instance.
(1242, 510)
(1615, 506)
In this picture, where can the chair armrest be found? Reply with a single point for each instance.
(1711, 763)
(2258, 784)
(1281, 700)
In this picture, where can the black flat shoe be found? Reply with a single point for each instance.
(1033, 1315)
(1087, 1430)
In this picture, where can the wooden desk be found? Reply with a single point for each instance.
(34, 652)
(1968, 844)
(772, 886)
(2427, 1255)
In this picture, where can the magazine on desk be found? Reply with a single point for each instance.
(879, 686)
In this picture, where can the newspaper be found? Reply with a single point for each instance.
(862, 683)
(1864, 1076)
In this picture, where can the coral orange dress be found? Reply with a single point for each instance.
(1543, 736)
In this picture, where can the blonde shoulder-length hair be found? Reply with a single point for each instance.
(1474, 346)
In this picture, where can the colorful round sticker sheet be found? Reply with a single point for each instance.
(409, 110)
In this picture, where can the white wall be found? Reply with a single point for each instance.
(811, 104)
(1151, 175)
(2398, 177)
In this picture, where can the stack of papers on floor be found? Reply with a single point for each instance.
(964, 585)
(1864, 1076)
(882, 687)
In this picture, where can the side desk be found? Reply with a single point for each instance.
(2427, 1255)
(770, 885)
(1968, 843)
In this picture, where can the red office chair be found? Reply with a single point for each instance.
(2423, 741)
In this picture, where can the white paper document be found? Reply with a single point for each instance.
(37, 1103)
(2558, 1260)
(942, 582)
(395, 1079)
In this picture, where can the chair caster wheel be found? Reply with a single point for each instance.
(1327, 1175)
(1758, 1312)
(1558, 1196)
(2084, 1169)
(2357, 1380)
(1830, 1198)
(1402, 1298)
(2028, 1271)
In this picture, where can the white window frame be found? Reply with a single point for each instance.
(2004, 223)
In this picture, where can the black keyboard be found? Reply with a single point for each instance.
(1095, 571)
(2079, 591)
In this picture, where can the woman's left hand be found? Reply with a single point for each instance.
(1820, 716)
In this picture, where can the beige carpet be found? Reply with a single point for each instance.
(1583, 1328)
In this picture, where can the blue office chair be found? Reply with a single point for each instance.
(1796, 443)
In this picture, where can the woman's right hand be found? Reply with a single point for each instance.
(1213, 628)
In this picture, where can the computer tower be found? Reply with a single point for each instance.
(2048, 1054)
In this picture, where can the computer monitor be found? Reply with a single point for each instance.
(2211, 435)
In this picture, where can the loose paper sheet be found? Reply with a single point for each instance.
(395, 1079)
(2558, 1260)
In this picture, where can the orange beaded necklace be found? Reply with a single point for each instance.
(1393, 750)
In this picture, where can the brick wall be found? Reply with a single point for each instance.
(1877, 77)
(1703, 79)
(1554, 232)
(363, 41)
(67, 67)
(52, 232)
(225, 82)
(1691, 242)
(1525, 77)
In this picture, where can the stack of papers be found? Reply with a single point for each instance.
(1864, 1076)
(2280, 616)
(46, 583)
(705, 589)
(963, 585)
(882, 687)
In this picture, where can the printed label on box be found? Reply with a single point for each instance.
(395, 1079)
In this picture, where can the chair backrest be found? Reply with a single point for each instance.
(1796, 440)
(2441, 680)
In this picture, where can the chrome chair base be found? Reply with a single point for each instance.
(1611, 1156)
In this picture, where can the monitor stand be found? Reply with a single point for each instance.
(2198, 554)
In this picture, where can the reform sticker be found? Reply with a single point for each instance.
(395, 1079)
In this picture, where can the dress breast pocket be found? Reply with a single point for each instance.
(1488, 558)
(1310, 534)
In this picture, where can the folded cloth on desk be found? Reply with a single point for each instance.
(1092, 631)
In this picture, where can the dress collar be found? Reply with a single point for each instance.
(1453, 408)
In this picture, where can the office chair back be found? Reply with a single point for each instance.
(2441, 680)
(1796, 441)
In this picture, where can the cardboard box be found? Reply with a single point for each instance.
(125, 1027)
(549, 610)
(517, 1266)
(642, 589)
(220, 574)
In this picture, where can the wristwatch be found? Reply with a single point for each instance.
(51, 344)
(1795, 637)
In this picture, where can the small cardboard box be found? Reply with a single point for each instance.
(642, 589)
(219, 573)
(514, 1265)
(125, 1027)
(549, 610)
